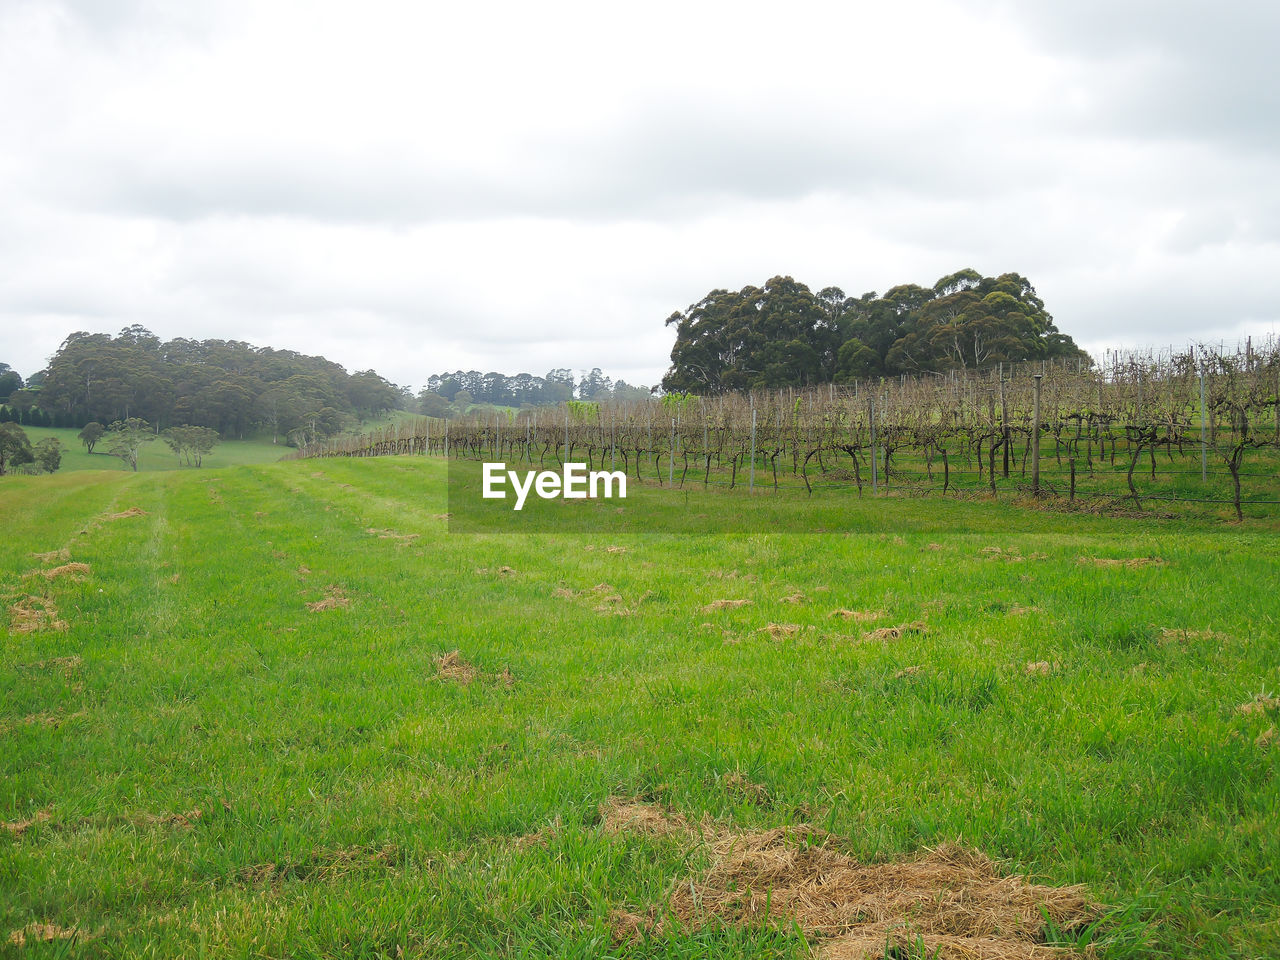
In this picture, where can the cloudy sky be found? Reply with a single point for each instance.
(421, 186)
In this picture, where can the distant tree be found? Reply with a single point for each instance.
(9, 381)
(190, 444)
(125, 439)
(432, 404)
(48, 454)
(595, 386)
(15, 447)
(91, 434)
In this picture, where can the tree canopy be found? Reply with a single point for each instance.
(783, 334)
(223, 385)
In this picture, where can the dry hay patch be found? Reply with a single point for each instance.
(615, 549)
(715, 605)
(400, 538)
(738, 785)
(857, 616)
(66, 664)
(1182, 635)
(1018, 610)
(780, 631)
(1011, 555)
(1038, 668)
(61, 555)
(334, 599)
(1126, 562)
(32, 613)
(126, 514)
(950, 900)
(895, 633)
(908, 671)
(796, 597)
(1259, 705)
(45, 933)
(733, 575)
(452, 666)
(77, 571)
(321, 865)
(503, 571)
(18, 827)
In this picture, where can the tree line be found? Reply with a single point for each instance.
(784, 335)
(454, 394)
(227, 386)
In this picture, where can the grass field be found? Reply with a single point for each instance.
(233, 734)
(155, 455)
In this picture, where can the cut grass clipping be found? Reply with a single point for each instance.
(949, 902)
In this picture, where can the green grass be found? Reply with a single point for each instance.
(156, 455)
(352, 803)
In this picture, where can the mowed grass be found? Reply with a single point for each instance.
(211, 768)
(155, 455)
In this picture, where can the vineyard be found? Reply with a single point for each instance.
(1197, 427)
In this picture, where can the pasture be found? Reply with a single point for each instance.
(279, 710)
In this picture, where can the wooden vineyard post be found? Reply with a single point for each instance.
(671, 455)
(871, 418)
(1035, 440)
(751, 482)
(1204, 450)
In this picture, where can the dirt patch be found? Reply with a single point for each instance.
(399, 538)
(126, 514)
(451, 666)
(1128, 562)
(499, 571)
(715, 605)
(34, 613)
(333, 599)
(1258, 706)
(895, 633)
(780, 631)
(77, 571)
(950, 900)
(45, 933)
(53, 556)
(18, 827)
(857, 616)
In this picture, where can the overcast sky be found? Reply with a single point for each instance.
(418, 187)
